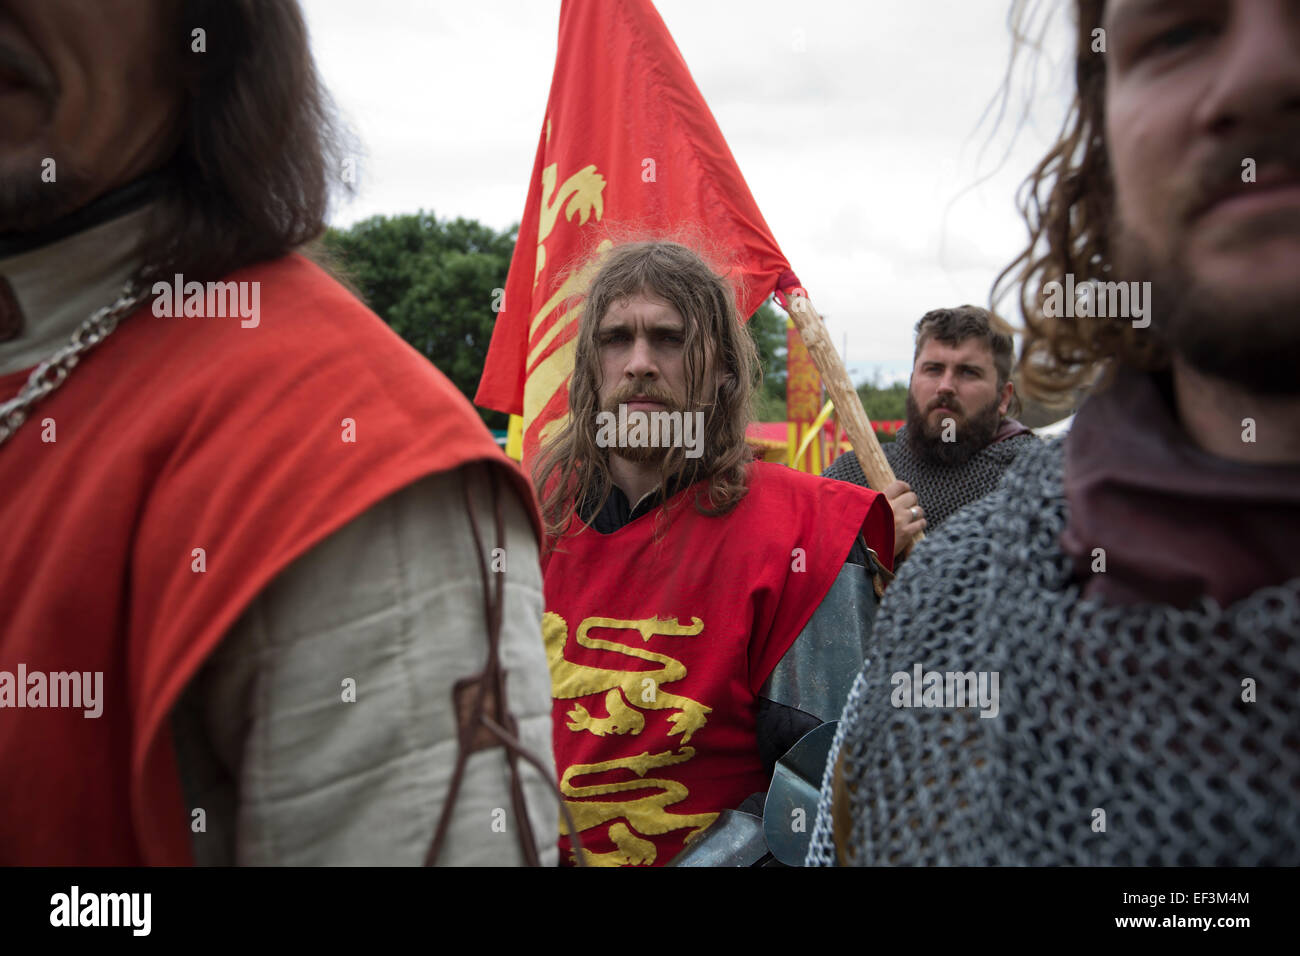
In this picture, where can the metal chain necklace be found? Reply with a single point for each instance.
(51, 373)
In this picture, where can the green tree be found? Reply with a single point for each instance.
(881, 402)
(884, 402)
(767, 328)
(434, 282)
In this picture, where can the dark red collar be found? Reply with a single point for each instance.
(1169, 522)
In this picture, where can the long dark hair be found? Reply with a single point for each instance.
(258, 149)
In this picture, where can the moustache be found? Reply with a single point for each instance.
(949, 403)
(1275, 150)
(649, 393)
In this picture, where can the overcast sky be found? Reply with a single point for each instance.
(855, 124)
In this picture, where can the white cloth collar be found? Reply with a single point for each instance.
(58, 286)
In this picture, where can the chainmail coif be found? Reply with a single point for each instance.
(1136, 711)
(941, 489)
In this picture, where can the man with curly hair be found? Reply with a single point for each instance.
(1133, 590)
(704, 612)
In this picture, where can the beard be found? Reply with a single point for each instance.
(973, 432)
(639, 454)
(28, 204)
(1247, 337)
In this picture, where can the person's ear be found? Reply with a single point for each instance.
(1007, 391)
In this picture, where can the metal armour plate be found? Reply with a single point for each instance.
(734, 839)
(796, 786)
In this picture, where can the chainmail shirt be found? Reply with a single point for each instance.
(1136, 711)
(941, 489)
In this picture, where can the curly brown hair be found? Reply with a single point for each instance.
(1068, 203)
(573, 468)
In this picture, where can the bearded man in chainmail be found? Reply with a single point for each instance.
(958, 439)
(1126, 605)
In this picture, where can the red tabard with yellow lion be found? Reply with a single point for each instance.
(659, 636)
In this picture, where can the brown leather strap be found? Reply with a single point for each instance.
(482, 712)
(881, 576)
(841, 810)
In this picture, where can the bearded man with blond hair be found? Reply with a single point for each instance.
(704, 612)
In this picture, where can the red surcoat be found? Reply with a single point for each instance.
(658, 649)
(181, 434)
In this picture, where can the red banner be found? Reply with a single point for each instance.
(628, 149)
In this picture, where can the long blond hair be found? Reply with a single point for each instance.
(572, 468)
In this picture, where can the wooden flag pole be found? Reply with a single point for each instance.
(848, 404)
